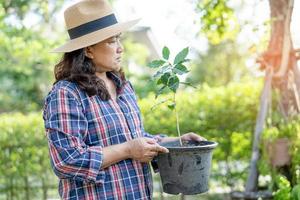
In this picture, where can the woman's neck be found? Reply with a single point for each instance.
(110, 85)
(102, 75)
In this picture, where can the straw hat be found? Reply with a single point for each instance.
(89, 22)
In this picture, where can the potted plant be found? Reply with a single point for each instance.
(186, 168)
(277, 141)
(277, 148)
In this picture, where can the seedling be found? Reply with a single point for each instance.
(167, 77)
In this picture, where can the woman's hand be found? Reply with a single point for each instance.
(144, 149)
(192, 136)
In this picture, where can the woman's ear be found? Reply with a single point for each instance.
(88, 52)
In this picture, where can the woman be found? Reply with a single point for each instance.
(98, 146)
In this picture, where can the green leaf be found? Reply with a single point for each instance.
(164, 79)
(180, 69)
(160, 91)
(173, 83)
(161, 71)
(185, 60)
(171, 106)
(166, 53)
(181, 56)
(159, 81)
(156, 63)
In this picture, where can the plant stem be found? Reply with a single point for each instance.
(177, 120)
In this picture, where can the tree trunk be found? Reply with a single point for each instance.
(282, 74)
(283, 59)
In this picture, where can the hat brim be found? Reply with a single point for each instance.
(95, 37)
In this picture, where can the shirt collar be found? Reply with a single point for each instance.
(116, 79)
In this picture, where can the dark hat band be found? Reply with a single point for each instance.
(92, 26)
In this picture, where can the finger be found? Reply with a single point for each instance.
(150, 140)
(152, 147)
(162, 149)
(188, 136)
(200, 138)
(196, 137)
(158, 148)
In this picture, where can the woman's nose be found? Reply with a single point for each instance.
(120, 47)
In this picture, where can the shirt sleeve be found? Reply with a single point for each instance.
(66, 126)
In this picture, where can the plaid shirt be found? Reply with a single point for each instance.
(78, 127)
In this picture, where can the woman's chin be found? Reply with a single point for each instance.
(117, 68)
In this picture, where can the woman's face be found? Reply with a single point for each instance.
(106, 55)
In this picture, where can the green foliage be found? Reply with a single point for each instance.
(25, 61)
(295, 153)
(25, 69)
(167, 74)
(287, 130)
(166, 53)
(20, 8)
(24, 155)
(134, 51)
(296, 192)
(179, 58)
(156, 63)
(221, 64)
(284, 189)
(218, 20)
(142, 85)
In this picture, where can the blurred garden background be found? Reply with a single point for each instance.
(243, 63)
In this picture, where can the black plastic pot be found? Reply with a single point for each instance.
(186, 169)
